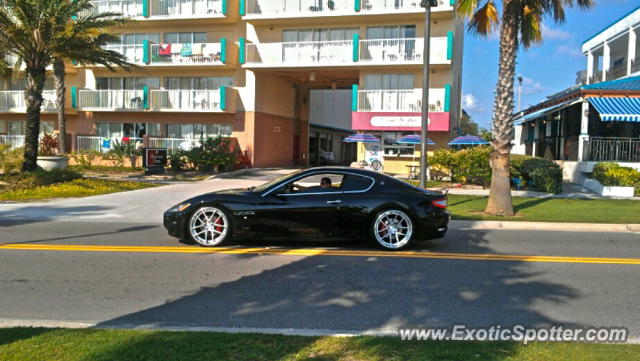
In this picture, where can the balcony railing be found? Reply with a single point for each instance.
(401, 50)
(96, 144)
(111, 99)
(601, 149)
(297, 53)
(129, 8)
(133, 52)
(13, 101)
(196, 54)
(288, 8)
(13, 141)
(617, 72)
(409, 100)
(393, 5)
(188, 100)
(187, 8)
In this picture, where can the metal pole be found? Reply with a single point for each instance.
(425, 93)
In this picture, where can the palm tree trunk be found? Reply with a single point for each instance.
(33, 98)
(500, 202)
(59, 81)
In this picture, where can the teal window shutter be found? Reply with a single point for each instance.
(449, 45)
(145, 97)
(452, 2)
(356, 47)
(223, 98)
(354, 98)
(243, 8)
(447, 97)
(223, 51)
(356, 5)
(145, 8)
(225, 7)
(146, 50)
(74, 97)
(243, 51)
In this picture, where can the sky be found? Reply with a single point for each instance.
(546, 68)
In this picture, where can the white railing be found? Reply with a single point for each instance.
(190, 100)
(197, 53)
(14, 141)
(133, 52)
(111, 99)
(190, 8)
(409, 100)
(13, 100)
(129, 8)
(399, 50)
(395, 5)
(301, 53)
(173, 144)
(96, 144)
(299, 7)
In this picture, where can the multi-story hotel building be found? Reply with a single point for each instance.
(287, 79)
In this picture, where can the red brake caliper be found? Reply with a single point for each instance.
(382, 229)
(218, 224)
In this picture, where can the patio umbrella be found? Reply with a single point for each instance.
(364, 138)
(468, 140)
(413, 139)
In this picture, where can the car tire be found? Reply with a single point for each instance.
(209, 226)
(392, 229)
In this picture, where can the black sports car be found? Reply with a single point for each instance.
(332, 201)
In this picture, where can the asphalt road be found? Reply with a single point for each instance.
(357, 290)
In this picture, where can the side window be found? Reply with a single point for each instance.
(317, 183)
(356, 183)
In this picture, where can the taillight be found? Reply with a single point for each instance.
(440, 203)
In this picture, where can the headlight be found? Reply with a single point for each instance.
(180, 207)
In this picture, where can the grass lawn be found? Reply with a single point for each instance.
(550, 210)
(81, 187)
(26, 344)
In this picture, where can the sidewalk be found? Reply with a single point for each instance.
(544, 226)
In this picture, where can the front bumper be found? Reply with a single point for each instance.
(174, 223)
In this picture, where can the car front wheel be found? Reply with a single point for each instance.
(209, 226)
(392, 229)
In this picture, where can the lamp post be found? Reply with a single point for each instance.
(426, 4)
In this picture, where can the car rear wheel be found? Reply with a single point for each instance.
(209, 226)
(392, 229)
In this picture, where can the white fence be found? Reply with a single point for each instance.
(409, 100)
(297, 7)
(186, 7)
(193, 100)
(398, 50)
(14, 141)
(133, 52)
(15, 101)
(301, 53)
(128, 8)
(97, 144)
(398, 5)
(198, 53)
(111, 99)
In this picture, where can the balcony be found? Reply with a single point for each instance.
(603, 149)
(393, 51)
(129, 8)
(635, 65)
(111, 100)
(160, 9)
(308, 53)
(133, 52)
(189, 100)
(409, 100)
(13, 101)
(617, 72)
(270, 9)
(197, 54)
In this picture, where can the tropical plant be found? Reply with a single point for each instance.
(520, 23)
(48, 145)
(212, 154)
(10, 159)
(125, 149)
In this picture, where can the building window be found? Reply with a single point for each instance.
(197, 83)
(186, 37)
(3, 126)
(132, 130)
(391, 32)
(19, 127)
(393, 149)
(109, 130)
(389, 81)
(198, 131)
(300, 35)
(129, 83)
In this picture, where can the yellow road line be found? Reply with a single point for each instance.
(321, 252)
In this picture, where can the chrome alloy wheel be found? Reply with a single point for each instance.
(393, 229)
(208, 226)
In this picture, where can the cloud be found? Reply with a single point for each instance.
(470, 103)
(531, 86)
(555, 34)
(565, 50)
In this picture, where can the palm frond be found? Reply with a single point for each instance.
(485, 20)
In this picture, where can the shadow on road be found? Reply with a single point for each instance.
(34, 214)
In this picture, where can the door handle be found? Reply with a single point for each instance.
(334, 202)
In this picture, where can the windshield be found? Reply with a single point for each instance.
(265, 186)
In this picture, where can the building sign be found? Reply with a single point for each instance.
(154, 160)
(438, 122)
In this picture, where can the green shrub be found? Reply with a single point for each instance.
(178, 160)
(212, 154)
(472, 166)
(11, 159)
(85, 159)
(442, 164)
(613, 175)
(546, 179)
(37, 178)
(515, 165)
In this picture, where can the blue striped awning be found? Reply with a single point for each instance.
(543, 112)
(617, 109)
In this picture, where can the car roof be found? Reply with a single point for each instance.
(337, 169)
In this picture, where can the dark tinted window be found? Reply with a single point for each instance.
(355, 183)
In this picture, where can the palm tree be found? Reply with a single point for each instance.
(81, 39)
(519, 24)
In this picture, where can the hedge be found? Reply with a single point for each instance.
(471, 166)
(613, 175)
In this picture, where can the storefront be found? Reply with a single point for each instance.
(389, 127)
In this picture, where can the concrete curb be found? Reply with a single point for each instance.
(544, 226)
